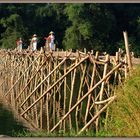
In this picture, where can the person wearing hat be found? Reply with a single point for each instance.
(19, 44)
(34, 42)
(50, 40)
(46, 47)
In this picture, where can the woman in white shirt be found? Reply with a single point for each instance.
(34, 42)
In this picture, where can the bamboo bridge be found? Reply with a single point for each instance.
(61, 90)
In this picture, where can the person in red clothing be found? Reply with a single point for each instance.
(46, 44)
(19, 44)
(50, 45)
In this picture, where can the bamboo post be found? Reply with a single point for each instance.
(59, 100)
(117, 61)
(54, 96)
(92, 82)
(104, 73)
(79, 94)
(41, 92)
(102, 88)
(47, 99)
(65, 91)
(12, 82)
(36, 94)
(23, 97)
(125, 67)
(71, 94)
(127, 49)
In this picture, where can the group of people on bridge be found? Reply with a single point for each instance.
(49, 43)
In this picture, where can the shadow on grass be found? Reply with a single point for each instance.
(8, 123)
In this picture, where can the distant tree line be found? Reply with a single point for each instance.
(76, 26)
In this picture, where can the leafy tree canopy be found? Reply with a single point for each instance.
(77, 26)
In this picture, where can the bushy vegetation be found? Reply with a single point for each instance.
(96, 26)
(124, 112)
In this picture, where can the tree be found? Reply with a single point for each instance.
(13, 28)
(90, 26)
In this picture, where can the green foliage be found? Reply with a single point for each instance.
(14, 29)
(125, 114)
(90, 26)
(84, 25)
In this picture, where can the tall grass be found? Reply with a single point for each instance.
(125, 111)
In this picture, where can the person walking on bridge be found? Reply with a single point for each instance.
(34, 42)
(19, 44)
(50, 40)
(46, 47)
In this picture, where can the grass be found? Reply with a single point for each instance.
(60, 133)
(124, 112)
(8, 123)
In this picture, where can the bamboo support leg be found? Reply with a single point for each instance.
(79, 95)
(102, 90)
(71, 94)
(65, 94)
(92, 82)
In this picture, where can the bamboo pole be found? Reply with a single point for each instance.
(125, 67)
(71, 93)
(79, 94)
(91, 84)
(27, 75)
(117, 61)
(59, 98)
(65, 94)
(36, 94)
(47, 98)
(41, 101)
(102, 90)
(104, 74)
(54, 95)
(127, 49)
(12, 82)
